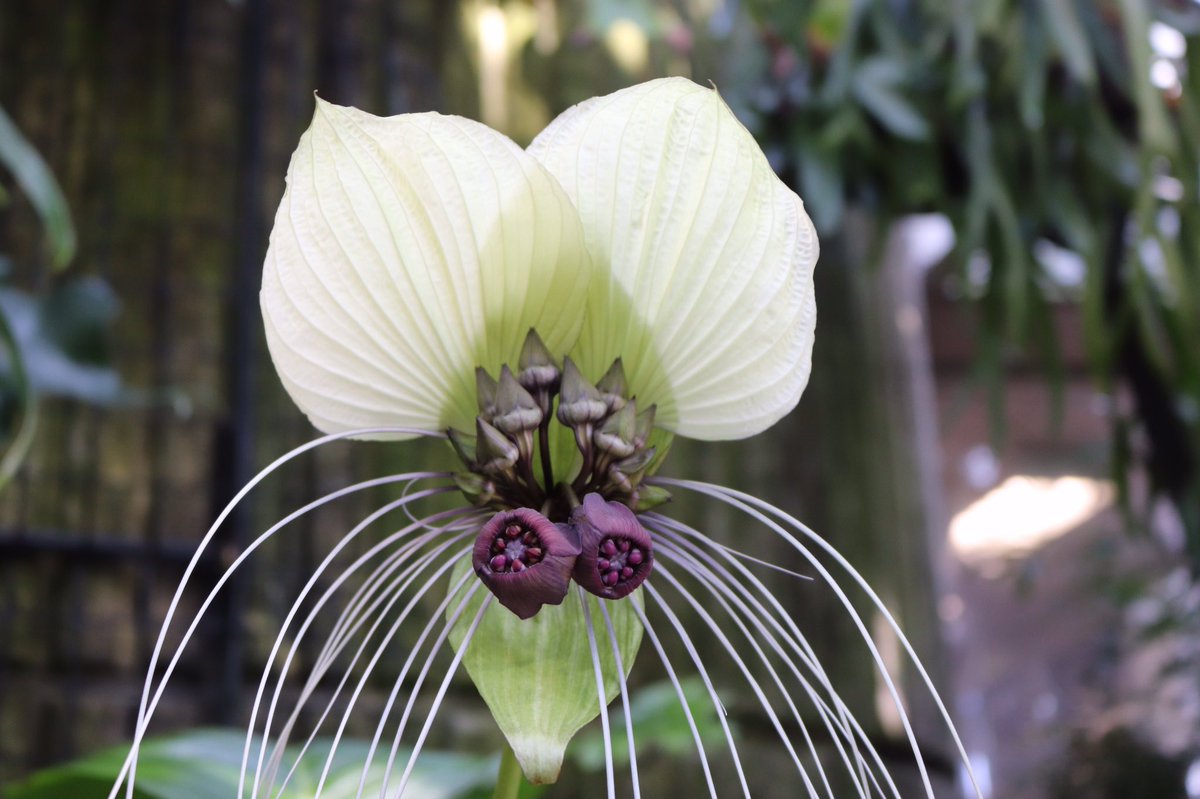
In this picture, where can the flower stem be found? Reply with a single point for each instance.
(543, 435)
(508, 781)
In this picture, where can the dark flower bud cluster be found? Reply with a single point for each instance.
(528, 561)
(508, 459)
(526, 557)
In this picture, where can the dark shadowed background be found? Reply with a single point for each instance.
(1002, 429)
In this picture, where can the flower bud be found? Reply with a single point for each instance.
(635, 465)
(516, 411)
(494, 452)
(615, 435)
(612, 386)
(579, 402)
(478, 489)
(485, 393)
(649, 497)
(616, 554)
(537, 370)
(525, 560)
(644, 426)
(463, 446)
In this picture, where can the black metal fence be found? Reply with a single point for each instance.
(169, 126)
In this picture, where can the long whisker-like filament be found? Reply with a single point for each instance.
(722, 580)
(434, 650)
(404, 580)
(686, 639)
(616, 650)
(393, 630)
(885, 675)
(380, 576)
(128, 772)
(381, 584)
(752, 507)
(681, 533)
(716, 586)
(228, 574)
(661, 571)
(683, 702)
(441, 694)
(312, 581)
(377, 586)
(745, 556)
(600, 694)
(391, 595)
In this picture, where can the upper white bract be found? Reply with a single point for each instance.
(645, 225)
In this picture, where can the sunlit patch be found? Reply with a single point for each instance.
(1024, 513)
(1192, 780)
(628, 45)
(493, 72)
(1167, 41)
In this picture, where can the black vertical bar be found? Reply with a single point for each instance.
(242, 342)
(335, 55)
(158, 312)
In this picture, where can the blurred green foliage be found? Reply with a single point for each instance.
(54, 343)
(1051, 133)
(659, 723)
(204, 763)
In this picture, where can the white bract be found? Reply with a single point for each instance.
(645, 227)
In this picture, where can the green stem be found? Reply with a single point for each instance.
(508, 781)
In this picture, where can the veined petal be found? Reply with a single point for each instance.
(704, 257)
(407, 251)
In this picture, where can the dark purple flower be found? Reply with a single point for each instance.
(615, 551)
(525, 560)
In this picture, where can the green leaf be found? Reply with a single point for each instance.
(658, 722)
(820, 179)
(1033, 74)
(830, 20)
(38, 183)
(874, 86)
(51, 369)
(1070, 39)
(190, 766)
(76, 316)
(204, 764)
(1153, 124)
(1015, 264)
(17, 446)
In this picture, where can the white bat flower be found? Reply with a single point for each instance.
(558, 313)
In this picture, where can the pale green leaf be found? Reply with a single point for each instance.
(536, 675)
(38, 183)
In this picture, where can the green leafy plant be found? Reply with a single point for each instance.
(204, 764)
(52, 343)
(1042, 130)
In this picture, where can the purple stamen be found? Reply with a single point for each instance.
(525, 560)
(616, 553)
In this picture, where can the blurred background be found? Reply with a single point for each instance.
(1002, 429)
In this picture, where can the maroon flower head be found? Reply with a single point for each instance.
(615, 552)
(525, 560)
